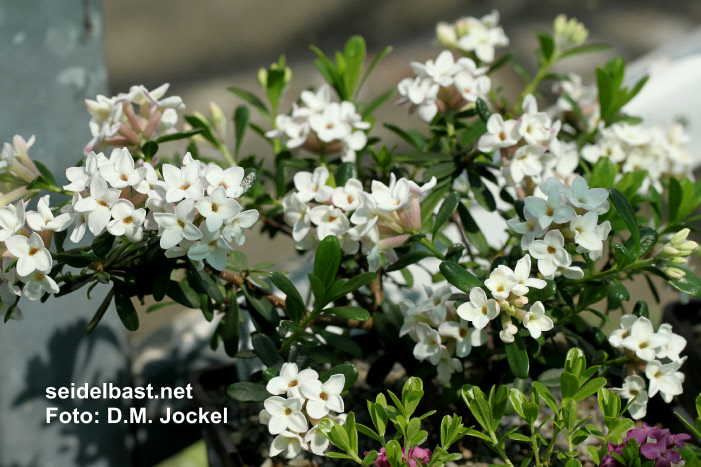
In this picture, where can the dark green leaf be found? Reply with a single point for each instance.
(586, 49)
(517, 356)
(126, 311)
(230, 327)
(241, 118)
(603, 174)
(265, 348)
(343, 288)
(448, 207)
(350, 312)
(690, 284)
(459, 276)
(178, 136)
(617, 291)
(540, 295)
(472, 231)
(183, 294)
(251, 99)
(317, 290)
(248, 392)
(626, 211)
(100, 312)
(483, 110)
(327, 260)
(46, 173)
(407, 260)
(345, 172)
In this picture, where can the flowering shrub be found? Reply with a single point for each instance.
(518, 218)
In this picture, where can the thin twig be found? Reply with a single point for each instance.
(378, 294)
(463, 236)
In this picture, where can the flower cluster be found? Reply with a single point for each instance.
(322, 126)
(439, 334)
(193, 208)
(528, 146)
(508, 289)
(560, 214)
(654, 354)
(473, 35)
(377, 221)
(661, 152)
(444, 84)
(116, 121)
(653, 443)
(675, 253)
(414, 457)
(20, 170)
(306, 401)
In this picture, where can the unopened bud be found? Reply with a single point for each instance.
(446, 34)
(677, 260)
(568, 33)
(674, 273)
(218, 119)
(462, 27)
(521, 301)
(689, 246)
(668, 251)
(680, 237)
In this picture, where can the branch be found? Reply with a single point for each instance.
(378, 295)
(461, 228)
(276, 225)
(333, 320)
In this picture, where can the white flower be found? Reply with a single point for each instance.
(178, 225)
(30, 252)
(183, 183)
(328, 125)
(581, 196)
(328, 221)
(325, 397)
(479, 311)
(44, 219)
(550, 253)
(6, 157)
(217, 208)
(412, 316)
(617, 335)
(230, 179)
(585, 231)
(522, 274)
(236, 228)
(471, 87)
(549, 210)
(312, 186)
(634, 388)
(500, 134)
(674, 347)
(316, 102)
(435, 305)
(80, 177)
(447, 366)
(428, 346)
(296, 214)
(285, 414)
(465, 337)
(120, 171)
(290, 380)
(395, 196)
(97, 207)
(534, 128)
(643, 340)
(500, 283)
(664, 379)
(422, 92)
(12, 219)
(530, 228)
(295, 129)
(78, 219)
(149, 185)
(508, 331)
(526, 162)
(127, 221)
(36, 284)
(348, 197)
(211, 247)
(291, 444)
(482, 36)
(536, 320)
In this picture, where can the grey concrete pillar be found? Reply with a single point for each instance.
(51, 53)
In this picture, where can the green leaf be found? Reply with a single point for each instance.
(690, 284)
(198, 123)
(349, 372)
(100, 312)
(547, 45)
(540, 295)
(517, 356)
(250, 178)
(603, 173)
(126, 311)
(248, 392)
(589, 388)
(409, 259)
(251, 99)
(586, 49)
(472, 231)
(274, 86)
(345, 172)
(551, 377)
(150, 148)
(46, 174)
(230, 327)
(369, 108)
(374, 63)
(626, 211)
(354, 55)
(483, 109)
(179, 136)
(448, 207)
(265, 348)
(161, 280)
(293, 301)
(327, 260)
(317, 290)
(459, 276)
(342, 288)
(350, 312)
(340, 342)
(241, 118)
(617, 291)
(203, 283)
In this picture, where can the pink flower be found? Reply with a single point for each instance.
(416, 456)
